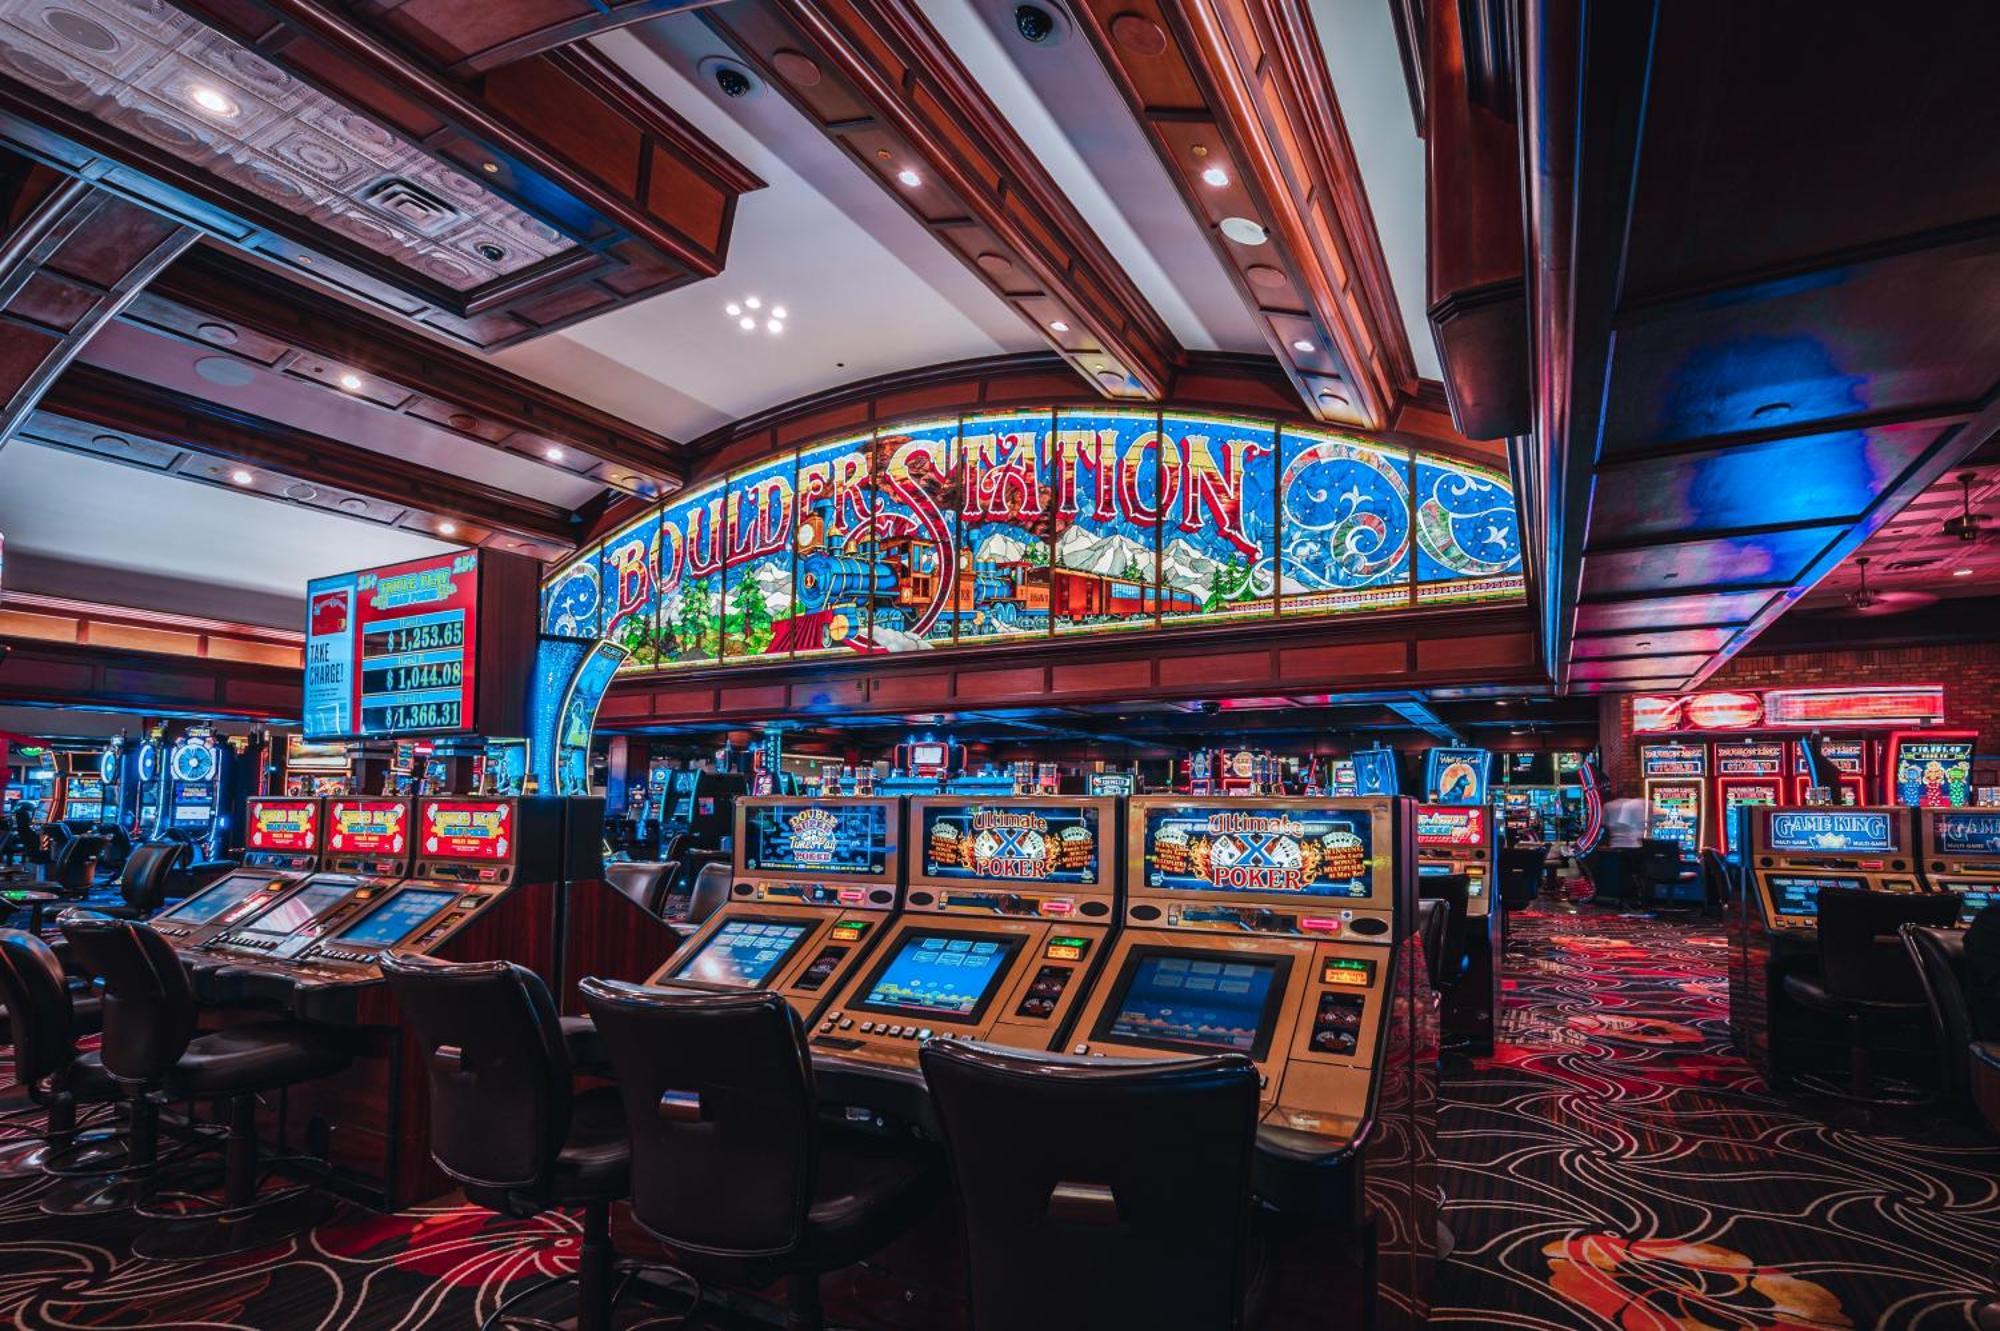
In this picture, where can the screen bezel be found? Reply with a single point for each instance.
(1382, 844)
(451, 895)
(1107, 835)
(255, 880)
(1128, 974)
(680, 971)
(892, 823)
(1011, 943)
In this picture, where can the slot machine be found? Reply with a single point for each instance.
(815, 882)
(1465, 841)
(1008, 913)
(1849, 760)
(1747, 773)
(81, 792)
(281, 847)
(192, 803)
(1676, 785)
(1961, 853)
(1284, 929)
(1772, 921)
(112, 769)
(150, 770)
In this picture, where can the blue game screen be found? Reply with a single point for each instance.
(744, 952)
(396, 918)
(1797, 894)
(850, 839)
(1822, 830)
(1196, 1000)
(1968, 833)
(1025, 843)
(943, 975)
(203, 908)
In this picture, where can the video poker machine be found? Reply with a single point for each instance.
(1008, 913)
(1961, 853)
(281, 847)
(1463, 840)
(815, 882)
(1792, 854)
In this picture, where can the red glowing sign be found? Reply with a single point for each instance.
(390, 651)
(282, 825)
(467, 830)
(1790, 709)
(1442, 828)
(367, 827)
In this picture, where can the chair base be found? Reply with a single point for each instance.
(204, 1230)
(628, 1273)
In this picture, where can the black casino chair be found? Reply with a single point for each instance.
(1098, 1194)
(1433, 916)
(710, 892)
(73, 869)
(151, 1048)
(153, 872)
(1520, 875)
(45, 1017)
(1455, 891)
(1867, 981)
(117, 848)
(506, 1120)
(732, 1168)
(643, 882)
(1662, 876)
(1718, 883)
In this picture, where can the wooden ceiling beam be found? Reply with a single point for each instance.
(136, 410)
(213, 298)
(881, 83)
(468, 40)
(1236, 97)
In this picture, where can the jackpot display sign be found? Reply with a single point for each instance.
(1931, 771)
(1032, 523)
(1024, 843)
(466, 829)
(1968, 833)
(846, 840)
(282, 825)
(367, 827)
(1450, 828)
(1808, 830)
(1268, 851)
(391, 650)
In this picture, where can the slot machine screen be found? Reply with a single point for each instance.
(367, 827)
(299, 909)
(282, 825)
(939, 974)
(1020, 843)
(205, 906)
(396, 918)
(1449, 828)
(745, 951)
(194, 802)
(850, 840)
(1975, 899)
(1815, 830)
(1968, 833)
(1798, 894)
(84, 799)
(481, 830)
(1280, 851)
(1200, 1001)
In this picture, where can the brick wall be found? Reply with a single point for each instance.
(1970, 674)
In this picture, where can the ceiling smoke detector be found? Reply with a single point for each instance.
(1967, 526)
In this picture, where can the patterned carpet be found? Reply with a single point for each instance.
(1614, 1167)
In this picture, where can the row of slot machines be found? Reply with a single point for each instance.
(1106, 927)
(1793, 854)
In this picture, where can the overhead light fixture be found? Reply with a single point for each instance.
(753, 303)
(552, 453)
(1244, 230)
(241, 477)
(774, 326)
(909, 177)
(778, 312)
(747, 324)
(1215, 176)
(447, 529)
(490, 168)
(1961, 573)
(732, 309)
(1300, 344)
(212, 100)
(351, 382)
(1058, 326)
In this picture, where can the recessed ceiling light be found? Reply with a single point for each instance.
(774, 326)
(778, 312)
(1215, 176)
(747, 324)
(351, 382)
(732, 309)
(212, 100)
(490, 168)
(1300, 344)
(1244, 230)
(909, 177)
(552, 453)
(1058, 326)
(753, 302)
(1961, 573)
(447, 529)
(241, 477)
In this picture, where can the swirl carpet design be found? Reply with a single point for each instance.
(1613, 1168)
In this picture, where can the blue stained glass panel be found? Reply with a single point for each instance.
(1004, 524)
(1346, 524)
(1106, 562)
(917, 498)
(836, 579)
(1218, 511)
(1468, 532)
(757, 585)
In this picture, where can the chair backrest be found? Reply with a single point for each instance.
(1455, 890)
(74, 865)
(1520, 873)
(1432, 917)
(1860, 954)
(711, 890)
(498, 1068)
(1939, 956)
(1125, 1185)
(40, 1015)
(1982, 973)
(643, 881)
(719, 1106)
(148, 870)
(1659, 859)
(149, 1009)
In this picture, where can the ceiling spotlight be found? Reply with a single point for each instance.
(1961, 573)
(753, 302)
(241, 477)
(774, 326)
(447, 529)
(1301, 344)
(1215, 176)
(1244, 230)
(1058, 326)
(909, 177)
(747, 324)
(733, 309)
(211, 100)
(778, 312)
(351, 382)
(552, 453)
(490, 168)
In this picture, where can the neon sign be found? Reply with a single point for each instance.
(1790, 709)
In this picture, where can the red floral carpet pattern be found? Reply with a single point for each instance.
(1614, 1168)
(1615, 1165)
